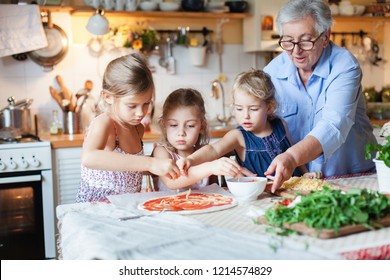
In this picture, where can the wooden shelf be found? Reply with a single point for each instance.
(64, 9)
(379, 122)
(155, 14)
(360, 18)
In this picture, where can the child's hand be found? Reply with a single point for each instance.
(247, 173)
(164, 167)
(225, 166)
(183, 164)
(313, 175)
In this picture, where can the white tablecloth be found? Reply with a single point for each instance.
(93, 231)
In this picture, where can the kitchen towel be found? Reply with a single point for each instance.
(21, 29)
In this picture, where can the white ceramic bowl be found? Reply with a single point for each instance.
(246, 188)
(148, 6)
(169, 6)
(359, 10)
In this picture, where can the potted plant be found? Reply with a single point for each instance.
(382, 162)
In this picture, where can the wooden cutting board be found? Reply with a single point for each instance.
(328, 233)
(291, 194)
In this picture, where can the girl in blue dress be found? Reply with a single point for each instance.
(260, 136)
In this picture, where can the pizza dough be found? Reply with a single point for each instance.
(182, 202)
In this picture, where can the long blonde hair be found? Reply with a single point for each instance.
(126, 75)
(186, 97)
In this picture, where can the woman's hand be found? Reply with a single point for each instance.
(164, 167)
(283, 166)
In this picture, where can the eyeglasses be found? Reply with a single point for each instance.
(303, 45)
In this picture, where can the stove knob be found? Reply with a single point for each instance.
(24, 163)
(2, 165)
(35, 162)
(12, 164)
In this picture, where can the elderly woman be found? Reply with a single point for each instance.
(318, 87)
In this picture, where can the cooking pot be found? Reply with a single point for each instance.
(15, 118)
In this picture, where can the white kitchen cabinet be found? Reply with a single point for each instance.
(252, 31)
(66, 174)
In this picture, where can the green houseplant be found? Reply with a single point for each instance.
(382, 162)
(383, 151)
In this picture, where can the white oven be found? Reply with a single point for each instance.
(27, 220)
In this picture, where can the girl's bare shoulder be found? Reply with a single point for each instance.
(103, 119)
(161, 151)
(101, 125)
(235, 138)
(233, 134)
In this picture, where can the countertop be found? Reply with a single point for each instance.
(76, 140)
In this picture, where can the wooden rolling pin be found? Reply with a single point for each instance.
(66, 93)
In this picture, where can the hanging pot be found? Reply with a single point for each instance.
(57, 45)
(16, 117)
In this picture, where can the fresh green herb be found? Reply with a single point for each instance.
(280, 231)
(332, 209)
(383, 151)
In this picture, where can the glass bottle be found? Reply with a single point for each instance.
(56, 125)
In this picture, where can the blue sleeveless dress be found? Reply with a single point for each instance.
(260, 151)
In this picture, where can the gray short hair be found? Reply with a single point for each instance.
(298, 9)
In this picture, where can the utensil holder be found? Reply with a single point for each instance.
(198, 55)
(72, 123)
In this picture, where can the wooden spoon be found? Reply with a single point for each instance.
(55, 94)
(88, 85)
(149, 186)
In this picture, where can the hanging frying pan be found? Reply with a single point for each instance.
(57, 45)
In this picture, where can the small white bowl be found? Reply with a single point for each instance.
(246, 188)
(169, 6)
(148, 6)
(359, 10)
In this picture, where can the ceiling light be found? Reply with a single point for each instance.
(98, 23)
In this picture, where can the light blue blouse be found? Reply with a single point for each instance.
(331, 108)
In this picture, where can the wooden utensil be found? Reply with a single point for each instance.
(66, 93)
(56, 96)
(149, 185)
(80, 102)
(88, 85)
